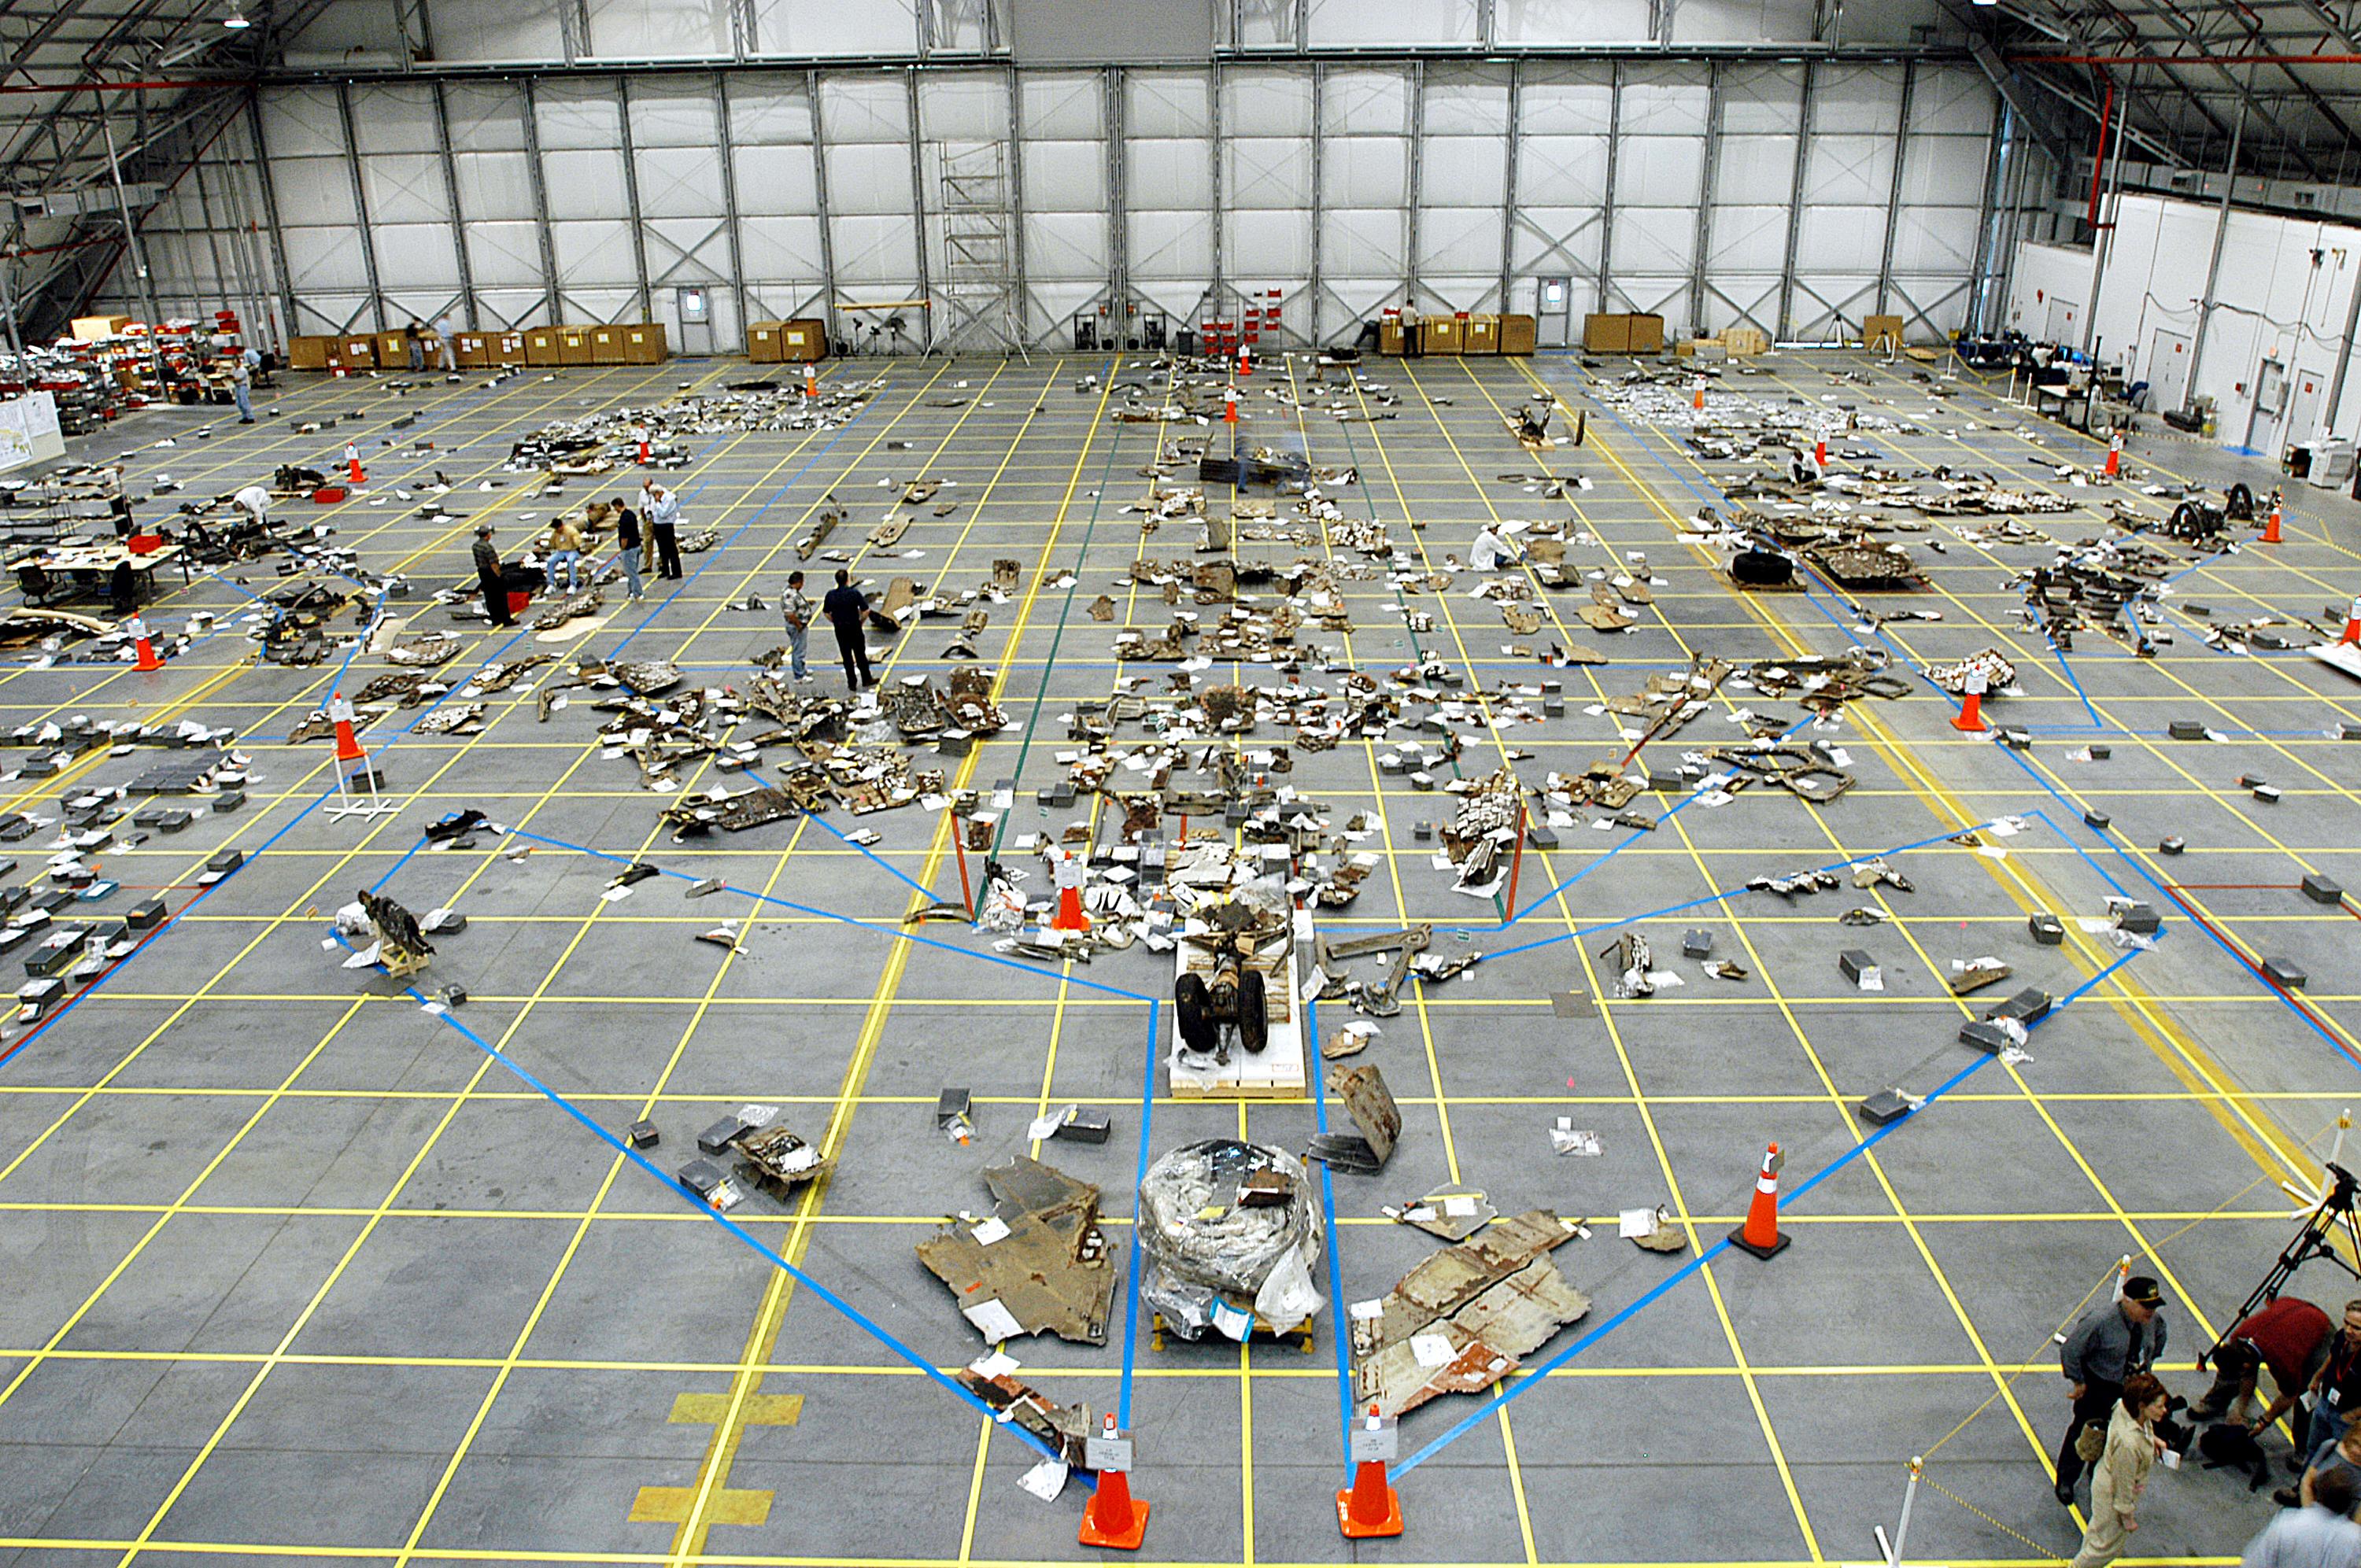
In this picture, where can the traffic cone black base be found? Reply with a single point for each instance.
(1737, 1239)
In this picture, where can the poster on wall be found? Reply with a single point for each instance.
(28, 431)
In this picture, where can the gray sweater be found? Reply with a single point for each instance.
(2105, 1348)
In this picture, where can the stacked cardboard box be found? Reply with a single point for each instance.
(1623, 333)
(308, 353)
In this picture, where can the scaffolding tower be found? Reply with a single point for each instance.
(983, 288)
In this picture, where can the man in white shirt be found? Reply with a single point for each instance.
(1493, 550)
(664, 523)
(256, 500)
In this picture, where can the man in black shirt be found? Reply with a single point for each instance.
(846, 608)
(487, 574)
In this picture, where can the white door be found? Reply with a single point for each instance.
(2168, 369)
(2308, 390)
(2065, 321)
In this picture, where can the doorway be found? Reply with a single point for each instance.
(2168, 369)
(2064, 314)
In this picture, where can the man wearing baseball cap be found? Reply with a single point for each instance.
(488, 572)
(2107, 1347)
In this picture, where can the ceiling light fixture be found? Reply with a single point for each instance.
(235, 21)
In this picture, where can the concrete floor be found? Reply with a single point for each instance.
(298, 1269)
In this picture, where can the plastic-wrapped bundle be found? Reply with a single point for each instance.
(1228, 1235)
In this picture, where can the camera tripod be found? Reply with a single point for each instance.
(2334, 1212)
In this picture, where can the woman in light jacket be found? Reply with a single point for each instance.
(2132, 1446)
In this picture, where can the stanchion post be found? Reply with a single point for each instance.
(958, 848)
(1516, 865)
(1902, 1526)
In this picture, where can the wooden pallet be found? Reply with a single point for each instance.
(1276, 1073)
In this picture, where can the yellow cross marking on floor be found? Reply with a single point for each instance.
(724, 1504)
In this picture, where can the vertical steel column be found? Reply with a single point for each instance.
(918, 204)
(2344, 352)
(269, 195)
(551, 296)
(213, 238)
(360, 202)
(2011, 234)
(1111, 87)
(2103, 241)
(819, 203)
(1607, 203)
(1014, 194)
(2214, 267)
(1894, 190)
(1417, 180)
(631, 196)
(730, 196)
(1509, 151)
(1216, 145)
(1988, 219)
(1795, 206)
(1319, 108)
(1709, 176)
(458, 222)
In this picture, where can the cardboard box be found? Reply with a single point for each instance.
(1607, 335)
(308, 353)
(473, 349)
(508, 348)
(1647, 334)
(803, 341)
(89, 329)
(1391, 339)
(573, 345)
(392, 351)
(1881, 332)
(357, 350)
(1743, 341)
(644, 343)
(1439, 334)
(1518, 335)
(541, 346)
(1482, 337)
(762, 342)
(606, 345)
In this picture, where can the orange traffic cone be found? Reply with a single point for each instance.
(1229, 405)
(2271, 524)
(1071, 916)
(2114, 455)
(2352, 637)
(1113, 1518)
(1369, 1506)
(1696, 399)
(349, 745)
(1820, 450)
(1760, 1234)
(811, 383)
(640, 433)
(1246, 360)
(353, 462)
(146, 649)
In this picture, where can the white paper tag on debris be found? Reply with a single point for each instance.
(1234, 1323)
(993, 1229)
(615, 895)
(1045, 1480)
(1433, 1350)
(1048, 1123)
(1633, 1222)
(994, 1320)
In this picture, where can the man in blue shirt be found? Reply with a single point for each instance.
(2320, 1534)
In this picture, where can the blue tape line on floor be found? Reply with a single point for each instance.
(847, 1309)
(1696, 1265)
(1720, 894)
(894, 931)
(1338, 1332)
(928, 892)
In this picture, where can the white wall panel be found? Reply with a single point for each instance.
(393, 118)
(404, 188)
(505, 256)
(1346, 23)
(519, 29)
(299, 122)
(658, 29)
(1571, 21)
(584, 182)
(887, 28)
(486, 116)
(493, 186)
